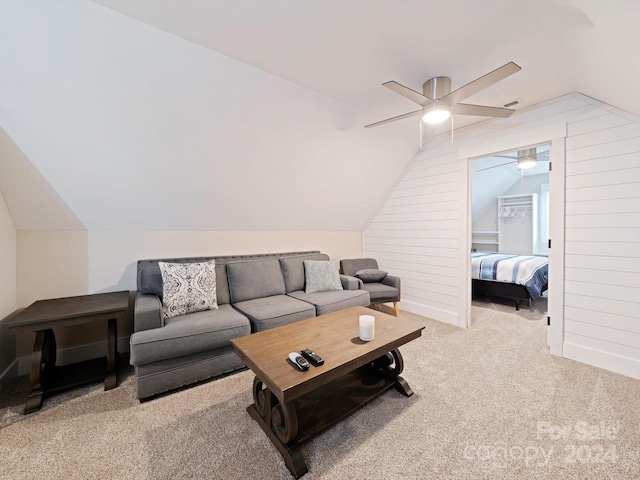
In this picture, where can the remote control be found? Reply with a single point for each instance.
(315, 359)
(298, 361)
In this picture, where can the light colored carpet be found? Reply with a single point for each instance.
(489, 402)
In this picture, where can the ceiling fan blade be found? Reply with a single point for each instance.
(495, 166)
(393, 119)
(481, 83)
(480, 110)
(406, 92)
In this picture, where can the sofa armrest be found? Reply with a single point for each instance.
(147, 313)
(392, 281)
(350, 283)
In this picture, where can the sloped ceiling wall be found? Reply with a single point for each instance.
(137, 129)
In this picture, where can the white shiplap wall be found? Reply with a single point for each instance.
(416, 234)
(420, 233)
(602, 243)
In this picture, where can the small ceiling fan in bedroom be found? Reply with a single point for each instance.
(438, 102)
(525, 159)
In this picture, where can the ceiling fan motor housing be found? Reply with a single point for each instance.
(437, 87)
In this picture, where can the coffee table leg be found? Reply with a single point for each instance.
(43, 361)
(392, 366)
(111, 376)
(403, 387)
(280, 423)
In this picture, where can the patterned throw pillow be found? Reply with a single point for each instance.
(321, 276)
(188, 287)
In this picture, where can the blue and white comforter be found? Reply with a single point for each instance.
(530, 271)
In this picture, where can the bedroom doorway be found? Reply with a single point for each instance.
(509, 224)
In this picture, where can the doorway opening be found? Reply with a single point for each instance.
(510, 231)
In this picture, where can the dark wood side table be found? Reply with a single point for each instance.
(42, 316)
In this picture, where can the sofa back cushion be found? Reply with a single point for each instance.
(254, 279)
(293, 270)
(350, 266)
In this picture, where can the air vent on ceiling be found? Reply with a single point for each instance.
(511, 104)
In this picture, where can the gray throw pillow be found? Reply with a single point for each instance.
(151, 280)
(188, 287)
(370, 275)
(321, 276)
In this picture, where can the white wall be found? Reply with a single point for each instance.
(488, 220)
(7, 282)
(113, 255)
(138, 129)
(602, 274)
(419, 234)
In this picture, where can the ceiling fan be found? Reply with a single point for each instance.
(526, 158)
(438, 102)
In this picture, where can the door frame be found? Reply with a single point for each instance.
(554, 135)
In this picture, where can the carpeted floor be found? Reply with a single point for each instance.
(489, 402)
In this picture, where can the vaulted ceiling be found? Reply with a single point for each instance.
(227, 115)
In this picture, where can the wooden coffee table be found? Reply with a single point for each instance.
(293, 406)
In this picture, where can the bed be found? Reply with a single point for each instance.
(515, 277)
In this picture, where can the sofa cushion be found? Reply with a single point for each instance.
(327, 302)
(254, 279)
(368, 275)
(222, 285)
(188, 288)
(188, 334)
(382, 293)
(293, 270)
(321, 276)
(270, 312)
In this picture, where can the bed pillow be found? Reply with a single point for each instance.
(370, 275)
(188, 288)
(321, 276)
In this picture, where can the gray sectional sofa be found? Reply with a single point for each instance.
(254, 293)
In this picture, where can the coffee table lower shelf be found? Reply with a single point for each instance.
(291, 424)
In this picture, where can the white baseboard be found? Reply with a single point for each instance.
(434, 313)
(597, 358)
(77, 354)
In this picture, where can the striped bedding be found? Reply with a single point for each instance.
(530, 271)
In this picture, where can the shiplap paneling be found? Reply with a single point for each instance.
(601, 227)
(603, 277)
(619, 322)
(616, 264)
(602, 121)
(416, 235)
(612, 205)
(605, 192)
(588, 346)
(602, 243)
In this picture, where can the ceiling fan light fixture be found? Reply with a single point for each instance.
(525, 163)
(436, 113)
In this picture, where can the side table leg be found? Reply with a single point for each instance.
(111, 376)
(43, 361)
